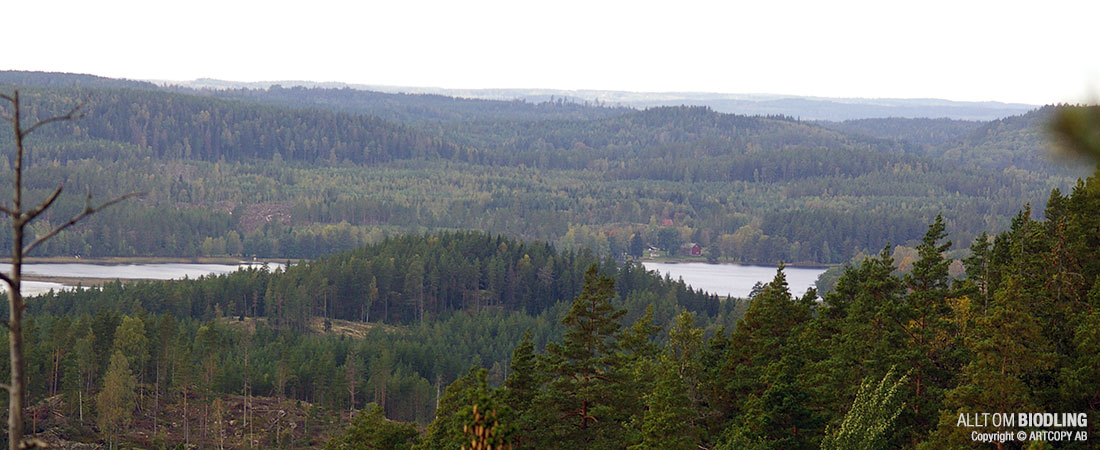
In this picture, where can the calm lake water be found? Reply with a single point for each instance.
(734, 279)
(168, 271)
(723, 279)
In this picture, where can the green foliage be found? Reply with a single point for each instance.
(231, 178)
(116, 401)
(669, 418)
(519, 391)
(481, 417)
(763, 374)
(1079, 129)
(792, 369)
(130, 340)
(868, 423)
(371, 430)
(585, 369)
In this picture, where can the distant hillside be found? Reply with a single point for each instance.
(807, 108)
(175, 126)
(923, 132)
(683, 144)
(57, 79)
(303, 172)
(1017, 142)
(417, 108)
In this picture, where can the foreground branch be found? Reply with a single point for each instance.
(88, 210)
(42, 207)
(72, 115)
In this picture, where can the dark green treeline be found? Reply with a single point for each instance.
(1018, 334)
(392, 323)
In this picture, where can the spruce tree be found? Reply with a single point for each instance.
(763, 367)
(669, 419)
(520, 390)
(861, 331)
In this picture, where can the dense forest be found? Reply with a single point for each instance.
(881, 362)
(398, 321)
(541, 349)
(301, 173)
(468, 274)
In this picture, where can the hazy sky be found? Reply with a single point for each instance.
(1031, 51)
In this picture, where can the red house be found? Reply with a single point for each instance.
(692, 249)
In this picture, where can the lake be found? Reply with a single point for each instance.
(735, 280)
(723, 279)
(167, 271)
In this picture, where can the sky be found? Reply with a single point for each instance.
(1026, 52)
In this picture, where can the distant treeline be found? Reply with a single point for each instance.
(301, 173)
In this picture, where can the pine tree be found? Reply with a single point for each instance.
(762, 336)
(585, 370)
(637, 245)
(1009, 352)
(640, 352)
(469, 411)
(352, 376)
(484, 419)
(87, 368)
(115, 401)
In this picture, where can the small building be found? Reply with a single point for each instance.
(692, 249)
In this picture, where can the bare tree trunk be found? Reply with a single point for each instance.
(186, 422)
(19, 220)
(156, 399)
(15, 297)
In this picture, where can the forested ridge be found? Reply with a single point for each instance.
(415, 108)
(306, 172)
(603, 355)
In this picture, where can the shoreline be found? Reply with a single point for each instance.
(731, 263)
(128, 260)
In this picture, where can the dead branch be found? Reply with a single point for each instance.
(72, 115)
(88, 210)
(46, 204)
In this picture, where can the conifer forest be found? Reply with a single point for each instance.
(461, 273)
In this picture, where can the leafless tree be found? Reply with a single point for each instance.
(20, 218)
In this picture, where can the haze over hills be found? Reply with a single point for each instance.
(802, 107)
(807, 108)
